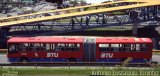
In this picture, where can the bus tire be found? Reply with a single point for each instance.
(72, 60)
(24, 60)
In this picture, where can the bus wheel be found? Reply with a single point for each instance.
(72, 60)
(24, 60)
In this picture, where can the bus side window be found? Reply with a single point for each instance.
(103, 47)
(120, 47)
(69, 47)
(127, 47)
(42, 48)
(32, 47)
(115, 47)
(133, 47)
(53, 47)
(144, 47)
(23, 46)
(12, 48)
(47, 47)
(137, 47)
(123, 47)
(36, 47)
(60, 47)
(77, 47)
(72, 47)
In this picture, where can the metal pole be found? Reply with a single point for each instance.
(134, 30)
(73, 23)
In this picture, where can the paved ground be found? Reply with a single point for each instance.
(156, 58)
(4, 59)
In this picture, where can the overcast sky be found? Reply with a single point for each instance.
(95, 1)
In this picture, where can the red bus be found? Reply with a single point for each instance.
(58, 49)
(119, 49)
(45, 49)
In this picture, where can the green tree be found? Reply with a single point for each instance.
(74, 2)
(83, 2)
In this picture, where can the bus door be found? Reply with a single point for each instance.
(89, 50)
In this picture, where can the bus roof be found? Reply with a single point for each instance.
(44, 40)
(123, 40)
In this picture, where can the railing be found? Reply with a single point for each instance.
(64, 13)
(3, 50)
(156, 51)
